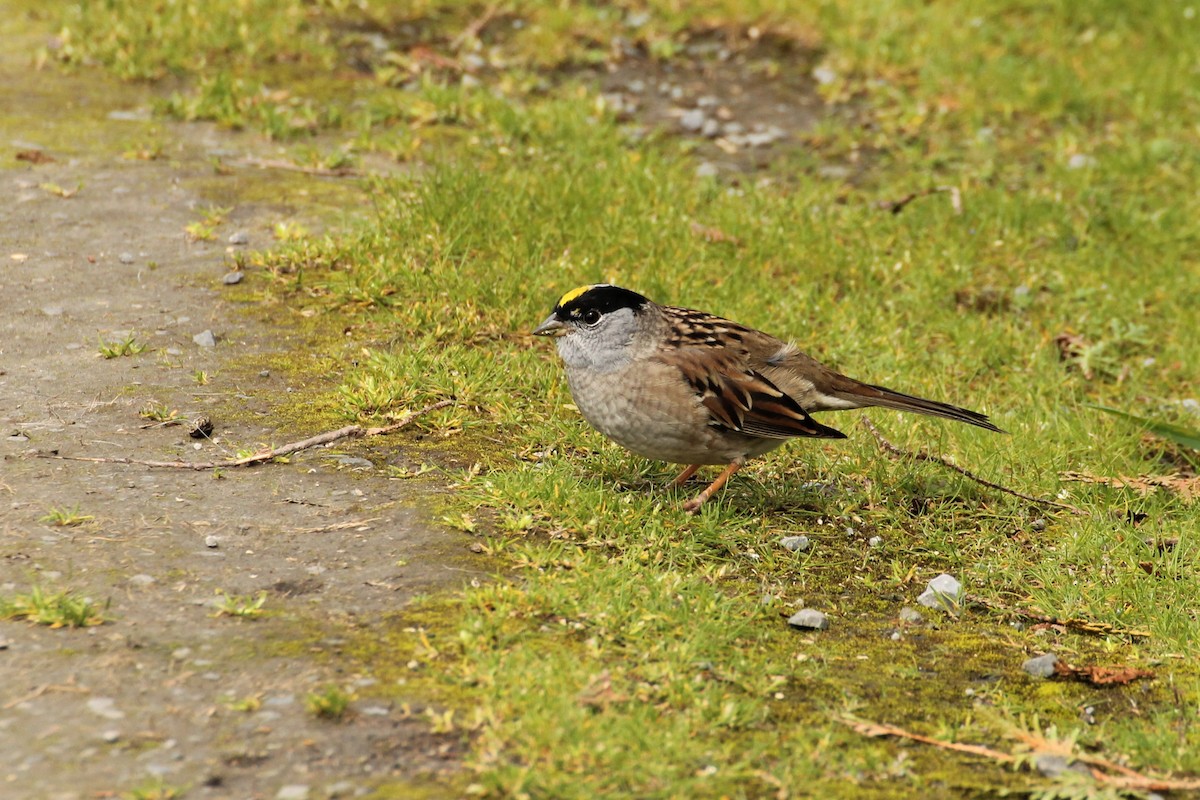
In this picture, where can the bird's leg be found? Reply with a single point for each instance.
(683, 476)
(693, 505)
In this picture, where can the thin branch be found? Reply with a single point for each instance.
(291, 166)
(475, 27)
(1128, 779)
(921, 455)
(877, 729)
(896, 206)
(1072, 623)
(348, 432)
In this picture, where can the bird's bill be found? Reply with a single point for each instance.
(553, 326)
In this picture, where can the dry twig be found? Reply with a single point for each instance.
(896, 206)
(921, 455)
(291, 166)
(1072, 623)
(1101, 768)
(348, 432)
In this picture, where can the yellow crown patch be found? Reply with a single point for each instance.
(574, 293)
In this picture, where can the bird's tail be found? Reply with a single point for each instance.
(869, 395)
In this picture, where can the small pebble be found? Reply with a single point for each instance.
(693, 120)
(205, 339)
(112, 737)
(352, 461)
(294, 791)
(796, 544)
(105, 707)
(239, 237)
(230, 278)
(142, 579)
(211, 541)
(710, 129)
(706, 169)
(52, 311)
(1038, 525)
(824, 75)
(875, 541)
(911, 615)
(809, 618)
(339, 789)
(942, 592)
(1040, 666)
(1080, 161)
(125, 258)
(636, 86)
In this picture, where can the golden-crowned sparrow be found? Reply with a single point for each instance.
(678, 385)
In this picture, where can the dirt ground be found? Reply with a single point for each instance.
(149, 698)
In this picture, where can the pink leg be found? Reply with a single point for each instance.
(693, 505)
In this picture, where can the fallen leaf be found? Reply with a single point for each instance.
(714, 235)
(34, 157)
(55, 189)
(1188, 488)
(1101, 676)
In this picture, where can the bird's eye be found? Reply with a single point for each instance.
(591, 317)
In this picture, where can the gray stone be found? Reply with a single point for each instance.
(205, 339)
(824, 75)
(230, 278)
(710, 129)
(1040, 666)
(706, 169)
(125, 258)
(875, 541)
(796, 544)
(809, 618)
(911, 615)
(112, 736)
(211, 541)
(105, 707)
(693, 120)
(239, 237)
(142, 579)
(293, 791)
(137, 115)
(942, 592)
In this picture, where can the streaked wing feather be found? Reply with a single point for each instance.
(742, 399)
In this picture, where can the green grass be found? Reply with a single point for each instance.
(241, 606)
(330, 703)
(53, 609)
(122, 348)
(636, 651)
(64, 517)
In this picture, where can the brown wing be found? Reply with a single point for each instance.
(740, 398)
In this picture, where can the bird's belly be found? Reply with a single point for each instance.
(657, 430)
